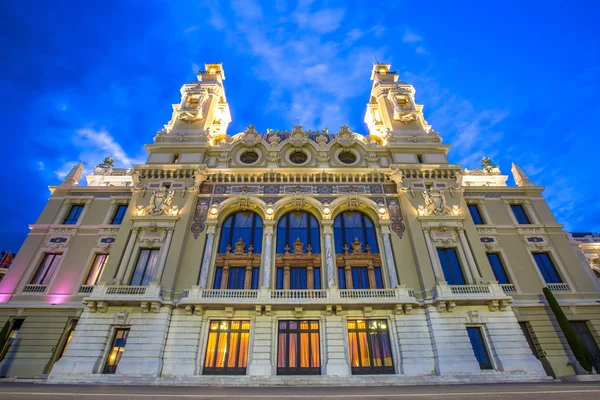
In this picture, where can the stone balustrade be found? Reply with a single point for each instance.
(558, 287)
(448, 296)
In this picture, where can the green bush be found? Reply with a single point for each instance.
(579, 351)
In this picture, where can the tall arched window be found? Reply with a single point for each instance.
(298, 259)
(240, 246)
(357, 252)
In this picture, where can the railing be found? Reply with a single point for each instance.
(367, 293)
(126, 290)
(299, 294)
(229, 294)
(34, 289)
(508, 288)
(185, 294)
(470, 289)
(558, 287)
(86, 288)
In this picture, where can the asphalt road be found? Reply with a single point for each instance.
(546, 391)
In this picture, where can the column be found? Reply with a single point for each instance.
(162, 257)
(469, 256)
(329, 254)
(267, 252)
(125, 262)
(435, 262)
(208, 250)
(389, 256)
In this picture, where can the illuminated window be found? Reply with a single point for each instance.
(175, 158)
(120, 212)
(96, 270)
(16, 323)
(46, 269)
(70, 330)
(73, 215)
(520, 214)
(451, 267)
(479, 347)
(227, 348)
(370, 348)
(145, 267)
(355, 244)
(298, 348)
(475, 214)
(116, 350)
(298, 260)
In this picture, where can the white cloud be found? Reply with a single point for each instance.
(94, 146)
(410, 37)
(421, 50)
(41, 165)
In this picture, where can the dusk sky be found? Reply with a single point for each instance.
(515, 81)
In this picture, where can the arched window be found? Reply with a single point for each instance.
(240, 246)
(298, 260)
(357, 252)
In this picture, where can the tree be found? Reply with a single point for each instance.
(579, 351)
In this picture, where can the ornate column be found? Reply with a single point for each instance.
(389, 255)
(208, 250)
(469, 256)
(329, 253)
(123, 266)
(162, 257)
(437, 268)
(267, 253)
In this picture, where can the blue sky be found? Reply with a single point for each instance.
(516, 81)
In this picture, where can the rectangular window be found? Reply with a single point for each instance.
(529, 339)
(235, 278)
(420, 158)
(46, 269)
(475, 214)
(520, 214)
(370, 348)
(119, 214)
(145, 267)
(16, 323)
(116, 350)
(298, 348)
(479, 347)
(451, 267)
(498, 268)
(73, 215)
(298, 278)
(70, 331)
(547, 268)
(96, 270)
(227, 348)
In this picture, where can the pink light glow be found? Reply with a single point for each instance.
(57, 298)
(4, 297)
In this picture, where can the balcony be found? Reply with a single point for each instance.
(102, 295)
(558, 287)
(86, 289)
(306, 298)
(448, 296)
(34, 288)
(508, 288)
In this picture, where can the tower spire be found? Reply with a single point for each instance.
(520, 176)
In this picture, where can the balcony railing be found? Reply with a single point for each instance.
(299, 294)
(491, 294)
(229, 294)
(126, 290)
(367, 293)
(508, 288)
(558, 287)
(85, 289)
(34, 288)
(469, 289)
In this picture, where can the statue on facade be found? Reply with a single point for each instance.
(488, 166)
(160, 202)
(435, 202)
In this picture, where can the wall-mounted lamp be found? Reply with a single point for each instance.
(270, 209)
(174, 211)
(214, 210)
(140, 210)
(382, 209)
(326, 209)
(421, 211)
(455, 210)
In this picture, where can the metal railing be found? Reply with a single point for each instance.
(86, 289)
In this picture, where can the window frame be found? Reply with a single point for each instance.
(523, 214)
(226, 370)
(287, 331)
(370, 370)
(112, 345)
(115, 213)
(465, 276)
(91, 266)
(553, 264)
(74, 220)
(475, 206)
(485, 347)
(501, 265)
(137, 260)
(41, 263)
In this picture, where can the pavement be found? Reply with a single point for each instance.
(546, 391)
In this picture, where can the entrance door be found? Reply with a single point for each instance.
(583, 331)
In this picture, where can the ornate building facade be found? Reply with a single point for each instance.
(294, 256)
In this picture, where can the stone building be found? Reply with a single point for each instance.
(293, 257)
(587, 247)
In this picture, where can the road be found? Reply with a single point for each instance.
(546, 391)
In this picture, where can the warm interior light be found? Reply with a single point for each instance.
(421, 211)
(455, 210)
(140, 210)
